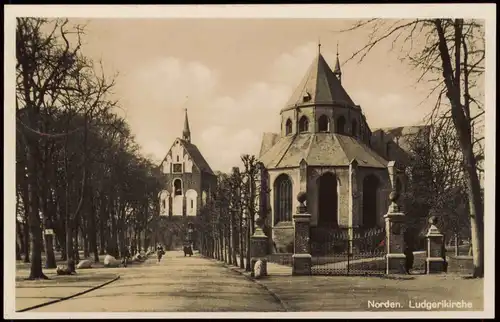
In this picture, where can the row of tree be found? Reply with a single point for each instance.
(229, 218)
(79, 175)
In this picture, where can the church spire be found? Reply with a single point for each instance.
(186, 133)
(337, 72)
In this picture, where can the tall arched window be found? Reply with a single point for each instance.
(282, 198)
(288, 127)
(354, 126)
(177, 187)
(323, 124)
(341, 125)
(303, 124)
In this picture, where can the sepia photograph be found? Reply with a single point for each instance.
(314, 161)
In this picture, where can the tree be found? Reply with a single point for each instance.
(452, 56)
(79, 171)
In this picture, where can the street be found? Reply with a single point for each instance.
(176, 284)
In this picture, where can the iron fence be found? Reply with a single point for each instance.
(339, 252)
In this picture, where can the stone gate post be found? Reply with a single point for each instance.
(301, 259)
(258, 250)
(435, 240)
(394, 226)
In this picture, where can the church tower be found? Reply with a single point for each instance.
(188, 183)
(323, 149)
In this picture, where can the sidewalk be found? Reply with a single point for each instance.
(61, 287)
(57, 288)
(352, 293)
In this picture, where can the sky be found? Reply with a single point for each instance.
(234, 76)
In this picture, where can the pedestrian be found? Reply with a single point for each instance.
(126, 256)
(443, 253)
(188, 249)
(159, 252)
(409, 258)
(409, 248)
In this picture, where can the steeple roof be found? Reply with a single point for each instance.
(337, 66)
(319, 86)
(186, 133)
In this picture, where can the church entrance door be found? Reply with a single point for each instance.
(327, 201)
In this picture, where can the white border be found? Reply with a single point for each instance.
(354, 11)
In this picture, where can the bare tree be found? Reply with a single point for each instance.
(450, 53)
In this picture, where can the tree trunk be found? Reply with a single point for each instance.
(70, 255)
(76, 244)
(26, 243)
(248, 235)
(234, 241)
(229, 240)
(86, 245)
(241, 239)
(18, 251)
(35, 224)
(463, 128)
(50, 258)
(103, 224)
(19, 241)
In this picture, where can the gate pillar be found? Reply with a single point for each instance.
(258, 250)
(301, 259)
(394, 224)
(435, 258)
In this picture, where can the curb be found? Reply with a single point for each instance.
(70, 297)
(273, 294)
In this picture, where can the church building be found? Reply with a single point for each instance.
(188, 183)
(326, 148)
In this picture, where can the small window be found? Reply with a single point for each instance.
(164, 203)
(192, 204)
(288, 127)
(177, 168)
(178, 187)
(177, 158)
(307, 97)
(303, 124)
(323, 124)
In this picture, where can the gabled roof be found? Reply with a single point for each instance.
(321, 149)
(321, 86)
(402, 135)
(195, 154)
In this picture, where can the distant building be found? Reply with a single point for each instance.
(189, 181)
(326, 148)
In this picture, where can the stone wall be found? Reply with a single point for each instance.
(460, 264)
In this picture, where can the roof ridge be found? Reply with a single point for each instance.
(286, 150)
(374, 153)
(308, 151)
(186, 143)
(341, 144)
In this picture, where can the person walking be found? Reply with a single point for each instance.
(159, 252)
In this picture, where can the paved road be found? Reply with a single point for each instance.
(177, 284)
